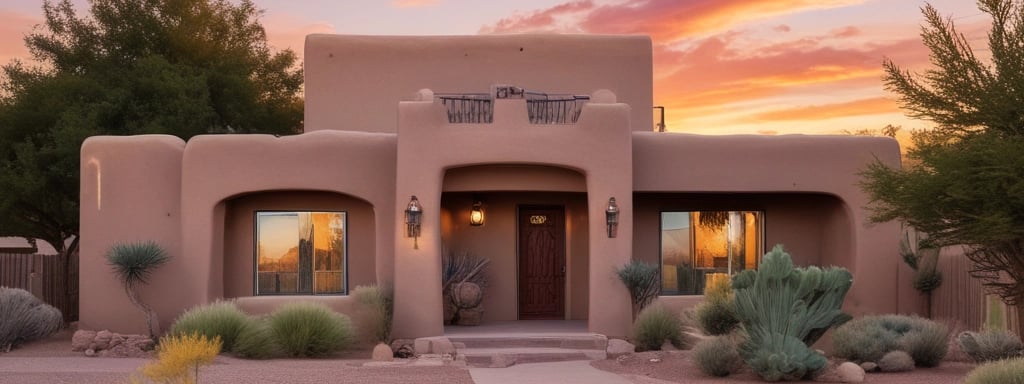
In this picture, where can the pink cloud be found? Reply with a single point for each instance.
(782, 28)
(413, 3)
(542, 20)
(289, 32)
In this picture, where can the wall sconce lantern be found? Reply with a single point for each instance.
(611, 216)
(476, 215)
(413, 215)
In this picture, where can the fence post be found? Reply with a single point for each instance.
(35, 277)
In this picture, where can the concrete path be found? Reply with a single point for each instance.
(568, 372)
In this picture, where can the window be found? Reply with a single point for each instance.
(300, 253)
(698, 246)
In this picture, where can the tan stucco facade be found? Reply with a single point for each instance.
(376, 135)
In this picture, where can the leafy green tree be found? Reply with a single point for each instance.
(179, 67)
(966, 182)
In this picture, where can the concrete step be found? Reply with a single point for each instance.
(499, 351)
(505, 357)
(595, 342)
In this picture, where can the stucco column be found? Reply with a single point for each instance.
(418, 303)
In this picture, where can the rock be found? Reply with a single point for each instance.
(619, 347)
(90, 352)
(140, 342)
(896, 361)
(81, 340)
(383, 352)
(868, 366)
(403, 348)
(422, 346)
(116, 339)
(470, 316)
(850, 373)
(667, 346)
(442, 346)
(467, 295)
(102, 340)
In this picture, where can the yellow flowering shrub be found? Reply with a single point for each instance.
(180, 356)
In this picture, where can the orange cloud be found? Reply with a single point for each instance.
(543, 20)
(413, 3)
(869, 106)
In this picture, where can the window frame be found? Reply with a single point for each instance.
(255, 253)
(760, 236)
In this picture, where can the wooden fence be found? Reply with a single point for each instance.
(961, 298)
(52, 278)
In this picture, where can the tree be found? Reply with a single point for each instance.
(966, 183)
(180, 67)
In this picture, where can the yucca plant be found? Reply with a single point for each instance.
(783, 310)
(133, 263)
(643, 283)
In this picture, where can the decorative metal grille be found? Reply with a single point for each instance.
(543, 108)
(554, 109)
(471, 108)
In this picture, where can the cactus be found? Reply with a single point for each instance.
(784, 310)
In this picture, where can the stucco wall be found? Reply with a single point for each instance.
(239, 256)
(496, 240)
(354, 82)
(130, 193)
(792, 164)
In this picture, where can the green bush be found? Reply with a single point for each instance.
(896, 361)
(310, 330)
(717, 314)
(783, 310)
(222, 319)
(870, 337)
(654, 325)
(643, 281)
(717, 356)
(1009, 371)
(256, 341)
(378, 304)
(990, 345)
(24, 318)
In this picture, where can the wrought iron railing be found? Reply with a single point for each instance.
(470, 108)
(542, 108)
(554, 109)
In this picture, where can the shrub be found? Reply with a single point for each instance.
(133, 263)
(256, 341)
(1010, 371)
(870, 337)
(180, 355)
(378, 303)
(784, 310)
(717, 356)
(656, 324)
(717, 314)
(643, 282)
(25, 318)
(221, 319)
(310, 330)
(990, 345)
(896, 361)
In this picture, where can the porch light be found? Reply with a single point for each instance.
(413, 215)
(476, 215)
(611, 215)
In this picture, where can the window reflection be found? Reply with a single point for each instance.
(697, 246)
(300, 253)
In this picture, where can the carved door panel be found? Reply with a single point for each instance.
(541, 262)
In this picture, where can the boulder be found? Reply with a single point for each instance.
(846, 372)
(619, 347)
(896, 361)
(869, 366)
(81, 340)
(442, 346)
(382, 352)
(102, 340)
(402, 348)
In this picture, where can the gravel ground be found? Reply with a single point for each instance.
(677, 367)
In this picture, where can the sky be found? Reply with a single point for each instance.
(720, 66)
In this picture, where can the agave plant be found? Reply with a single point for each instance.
(133, 263)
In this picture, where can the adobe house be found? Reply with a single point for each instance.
(535, 133)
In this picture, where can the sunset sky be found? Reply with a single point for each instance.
(720, 66)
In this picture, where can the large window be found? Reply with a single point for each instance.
(300, 253)
(699, 246)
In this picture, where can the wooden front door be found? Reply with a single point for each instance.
(541, 262)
